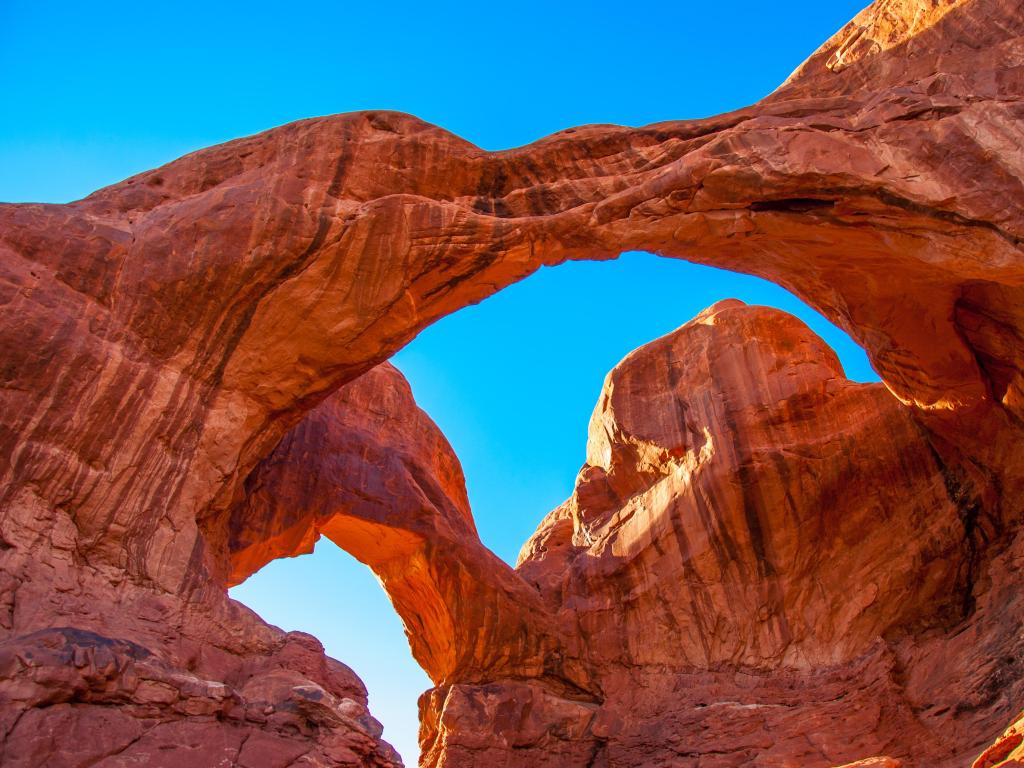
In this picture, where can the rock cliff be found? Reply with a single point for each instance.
(776, 551)
(763, 564)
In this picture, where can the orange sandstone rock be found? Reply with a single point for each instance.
(875, 762)
(729, 556)
(160, 339)
(350, 471)
(1008, 751)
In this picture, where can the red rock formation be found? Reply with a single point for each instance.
(728, 556)
(162, 336)
(1008, 751)
(729, 548)
(350, 472)
(733, 459)
(73, 697)
(99, 668)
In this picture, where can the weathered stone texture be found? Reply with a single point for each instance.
(757, 552)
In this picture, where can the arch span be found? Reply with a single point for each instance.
(251, 279)
(735, 515)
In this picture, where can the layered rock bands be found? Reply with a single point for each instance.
(762, 563)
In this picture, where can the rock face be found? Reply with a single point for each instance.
(97, 668)
(733, 457)
(350, 471)
(770, 548)
(768, 565)
(170, 346)
(74, 697)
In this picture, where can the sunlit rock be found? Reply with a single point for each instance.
(850, 589)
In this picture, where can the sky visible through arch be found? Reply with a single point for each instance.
(93, 93)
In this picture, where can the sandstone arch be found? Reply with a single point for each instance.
(370, 471)
(161, 336)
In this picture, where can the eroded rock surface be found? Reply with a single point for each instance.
(349, 471)
(761, 542)
(161, 337)
(72, 697)
(768, 565)
(101, 669)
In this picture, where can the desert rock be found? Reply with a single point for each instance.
(164, 341)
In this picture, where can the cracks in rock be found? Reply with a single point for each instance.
(970, 509)
(238, 756)
(599, 758)
(929, 112)
(951, 217)
(3, 742)
(799, 205)
(830, 196)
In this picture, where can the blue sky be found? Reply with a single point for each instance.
(95, 92)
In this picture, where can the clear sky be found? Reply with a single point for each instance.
(95, 92)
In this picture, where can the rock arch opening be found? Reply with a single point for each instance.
(371, 472)
(351, 469)
(337, 599)
(525, 367)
